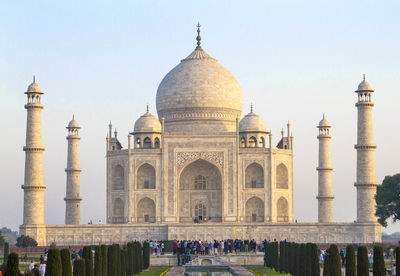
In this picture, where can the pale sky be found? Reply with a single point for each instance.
(103, 60)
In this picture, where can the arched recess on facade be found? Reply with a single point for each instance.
(252, 142)
(157, 143)
(118, 178)
(146, 177)
(147, 143)
(282, 179)
(146, 210)
(118, 210)
(282, 210)
(242, 142)
(254, 177)
(254, 210)
(200, 192)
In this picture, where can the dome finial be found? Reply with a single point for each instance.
(251, 107)
(73, 116)
(147, 107)
(198, 38)
(363, 77)
(34, 79)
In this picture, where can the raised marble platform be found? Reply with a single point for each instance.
(92, 234)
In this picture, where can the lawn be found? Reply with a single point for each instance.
(153, 271)
(263, 271)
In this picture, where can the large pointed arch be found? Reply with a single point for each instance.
(282, 210)
(146, 210)
(146, 177)
(254, 177)
(200, 184)
(282, 177)
(254, 210)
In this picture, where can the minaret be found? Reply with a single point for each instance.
(33, 183)
(325, 196)
(72, 198)
(365, 183)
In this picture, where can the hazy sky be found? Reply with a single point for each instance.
(103, 60)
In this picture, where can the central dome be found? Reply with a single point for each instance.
(199, 95)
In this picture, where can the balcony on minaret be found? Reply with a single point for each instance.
(364, 92)
(34, 95)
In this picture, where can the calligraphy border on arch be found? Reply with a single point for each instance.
(216, 157)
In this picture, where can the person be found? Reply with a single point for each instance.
(393, 270)
(42, 268)
(187, 256)
(31, 265)
(35, 270)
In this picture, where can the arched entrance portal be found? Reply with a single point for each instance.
(200, 193)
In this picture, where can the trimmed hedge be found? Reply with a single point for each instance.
(104, 259)
(362, 261)
(314, 260)
(327, 264)
(66, 262)
(79, 267)
(397, 260)
(53, 266)
(350, 261)
(146, 255)
(98, 262)
(334, 261)
(379, 262)
(12, 264)
(87, 254)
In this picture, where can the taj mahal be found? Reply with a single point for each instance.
(200, 170)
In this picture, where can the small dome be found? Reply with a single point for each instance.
(323, 122)
(73, 124)
(252, 123)
(147, 123)
(34, 87)
(364, 85)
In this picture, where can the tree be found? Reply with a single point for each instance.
(146, 255)
(79, 267)
(350, 261)
(275, 256)
(388, 200)
(303, 262)
(298, 259)
(66, 262)
(104, 259)
(6, 252)
(123, 262)
(362, 261)
(281, 257)
(12, 265)
(327, 264)
(2, 240)
(314, 260)
(26, 241)
(397, 260)
(113, 260)
(53, 266)
(87, 254)
(307, 259)
(139, 256)
(335, 265)
(130, 253)
(98, 262)
(379, 262)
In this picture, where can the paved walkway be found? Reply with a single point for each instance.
(179, 271)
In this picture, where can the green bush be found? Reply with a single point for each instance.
(12, 264)
(123, 263)
(281, 257)
(6, 251)
(307, 259)
(397, 260)
(334, 261)
(129, 264)
(66, 262)
(146, 255)
(79, 267)
(326, 271)
(98, 262)
(314, 260)
(53, 266)
(139, 257)
(379, 262)
(104, 259)
(87, 254)
(303, 259)
(362, 261)
(114, 260)
(275, 256)
(350, 261)
(298, 259)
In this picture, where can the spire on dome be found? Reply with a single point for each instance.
(198, 38)
(363, 77)
(251, 107)
(34, 79)
(147, 107)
